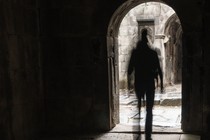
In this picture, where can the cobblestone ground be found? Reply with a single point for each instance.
(166, 112)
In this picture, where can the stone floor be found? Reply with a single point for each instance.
(166, 112)
(166, 120)
(126, 136)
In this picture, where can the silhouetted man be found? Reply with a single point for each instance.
(145, 63)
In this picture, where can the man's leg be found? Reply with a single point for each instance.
(139, 111)
(149, 116)
(139, 93)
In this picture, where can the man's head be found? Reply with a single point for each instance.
(144, 35)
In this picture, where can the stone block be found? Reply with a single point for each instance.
(30, 22)
(29, 3)
(124, 51)
(68, 27)
(121, 58)
(50, 21)
(171, 102)
(124, 40)
(50, 3)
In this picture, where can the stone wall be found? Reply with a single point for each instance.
(74, 66)
(22, 98)
(54, 70)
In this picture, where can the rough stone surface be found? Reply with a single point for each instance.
(58, 68)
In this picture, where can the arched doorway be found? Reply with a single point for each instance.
(116, 81)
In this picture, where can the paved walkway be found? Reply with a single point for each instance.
(166, 112)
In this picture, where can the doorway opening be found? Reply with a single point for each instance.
(165, 33)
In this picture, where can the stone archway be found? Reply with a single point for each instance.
(112, 42)
(112, 53)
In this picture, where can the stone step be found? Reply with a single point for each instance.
(167, 99)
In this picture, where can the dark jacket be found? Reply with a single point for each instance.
(145, 63)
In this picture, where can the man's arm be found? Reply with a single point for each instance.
(131, 64)
(130, 69)
(160, 73)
